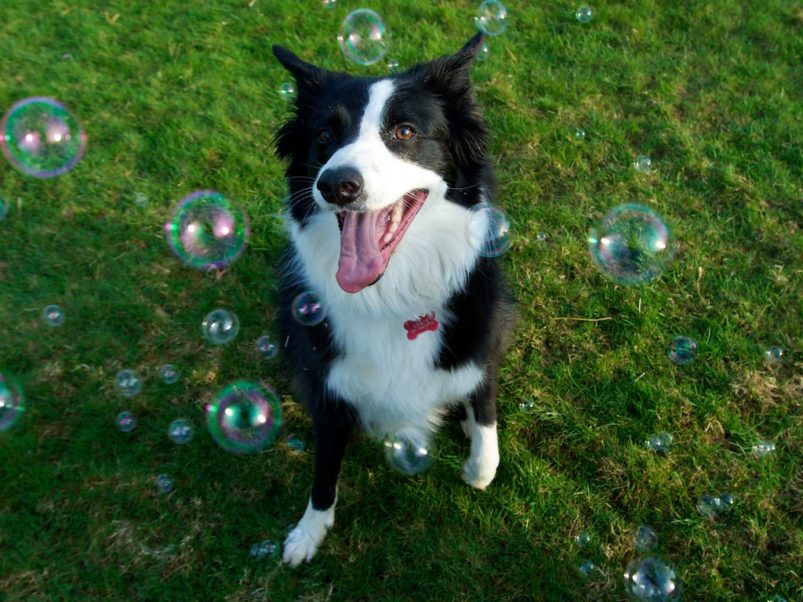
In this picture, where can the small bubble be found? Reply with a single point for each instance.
(660, 443)
(682, 350)
(713, 506)
(128, 382)
(484, 51)
(527, 405)
(583, 539)
(646, 538)
(583, 14)
(169, 374)
(580, 134)
(541, 237)
(643, 164)
(491, 17)
(220, 327)
(126, 422)
(266, 347)
(295, 443)
(264, 549)
(180, 431)
(164, 483)
(53, 315)
(308, 309)
(287, 91)
(650, 579)
(586, 568)
(408, 453)
(763, 449)
(4, 208)
(774, 355)
(393, 65)
(141, 200)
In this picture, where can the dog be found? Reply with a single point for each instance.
(384, 177)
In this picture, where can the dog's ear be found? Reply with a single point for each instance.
(462, 60)
(305, 73)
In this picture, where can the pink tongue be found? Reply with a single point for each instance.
(361, 262)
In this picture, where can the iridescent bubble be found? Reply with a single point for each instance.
(541, 237)
(583, 539)
(763, 449)
(141, 200)
(220, 326)
(264, 549)
(169, 374)
(491, 17)
(643, 164)
(408, 453)
(682, 350)
(393, 65)
(126, 422)
(651, 580)
(206, 231)
(53, 315)
(484, 51)
(488, 230)
(128, 382)
(586, 568)
(527, 405)
(774, 355)
(41, 138)
(180, 431)
(362, 37)
(712, 506)
(307, 309)
(660, 443)
(287, 91)
(580, 134)
(584, 14)
(244, 417)
(295, 443)
(632, 245)
(646, 538)
(4, 209)
(164, 484)
(12, 401)
(329, 3)
(267, 348)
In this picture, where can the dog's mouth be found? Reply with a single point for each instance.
(368, 239)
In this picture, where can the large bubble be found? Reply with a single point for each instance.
(363, 38)
(244, 417)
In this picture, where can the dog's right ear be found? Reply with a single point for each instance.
(306, 74)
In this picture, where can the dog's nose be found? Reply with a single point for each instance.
(340, 186)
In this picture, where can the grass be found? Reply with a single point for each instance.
(177, 96)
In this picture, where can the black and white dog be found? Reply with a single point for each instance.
(382, 175)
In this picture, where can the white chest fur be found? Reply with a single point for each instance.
(390, 379)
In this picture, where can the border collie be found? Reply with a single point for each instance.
(382, 175)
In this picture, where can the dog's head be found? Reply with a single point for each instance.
(373, 151)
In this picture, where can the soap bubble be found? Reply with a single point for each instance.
(583, 539)
(164, 484)
(713, 506)
(126, 422)
(362, 37)
(329, 3)
(643, 164)
(584, 14)
(541, 237)
(580, 134)
(295, 443)
(220, 326)
(206, 231)
(774, 355)
(491, 17)
(651, 580)
(660, 443)
(586, 568)
(169, 374)
(408, 453)
(527, 405)
(287, 91)
(307, 309)
(264, 549)
(4, 208)
(41, 138)
(128, 382)
(53, 315)
(763, 449)
(141, 200)
(682, 350)
(244, 417)
(484, 51)
(632, 244)
(12, 401)
(646, 538)
(488, 230)
(267, 348)
(180, 431)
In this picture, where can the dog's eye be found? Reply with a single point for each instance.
(404, 132)
(324, 135)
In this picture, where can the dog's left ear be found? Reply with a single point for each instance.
(462, 60)
(306, 74)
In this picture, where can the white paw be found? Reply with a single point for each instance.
(479, 472)
(302, 542)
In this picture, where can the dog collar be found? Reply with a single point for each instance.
(420, 325)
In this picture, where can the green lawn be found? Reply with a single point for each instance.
(178, 96)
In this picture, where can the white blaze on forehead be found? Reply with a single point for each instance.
(386, 176)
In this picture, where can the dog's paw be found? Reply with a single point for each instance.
(479, 474)
(302, 542)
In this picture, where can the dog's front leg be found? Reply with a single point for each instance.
(331, 435)
(480, 424)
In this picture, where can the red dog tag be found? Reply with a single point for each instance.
(421, 324)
